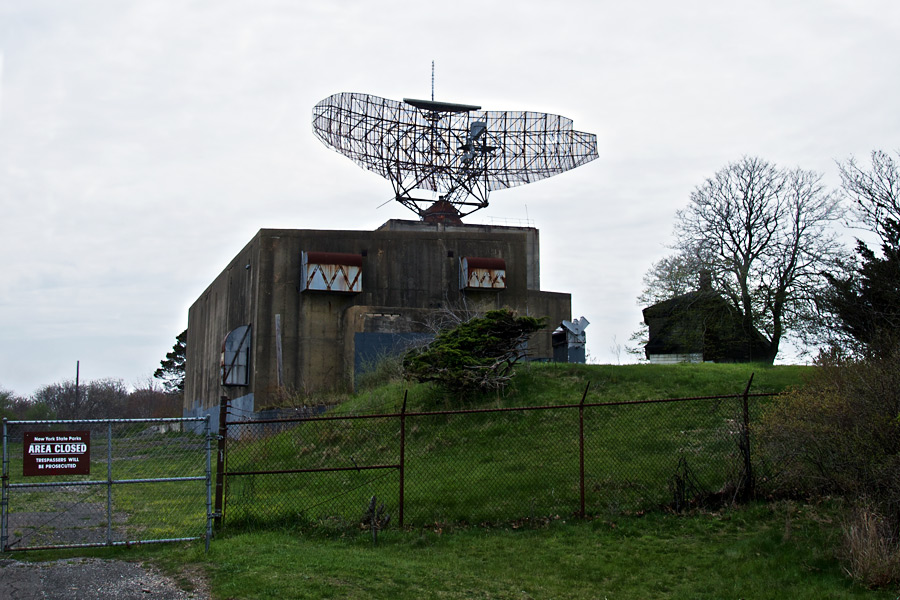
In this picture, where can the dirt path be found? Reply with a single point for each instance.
(89, 579)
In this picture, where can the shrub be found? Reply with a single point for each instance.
(840, 433)
(475, 356)
(384, 369)
(871, 553)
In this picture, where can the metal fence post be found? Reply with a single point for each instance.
(109, 484)
(747, 485)
(220, 461)
(208, 481)
(402, 453)
(4, 502)
(581, 446)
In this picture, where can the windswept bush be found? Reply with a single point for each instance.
(475, 356)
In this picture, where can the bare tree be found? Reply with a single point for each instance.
(875, 193)
(451, 314)
(102, 398)
(65, 400)
(862, 304)
(149, 400)
(671, 276)
(763, 234)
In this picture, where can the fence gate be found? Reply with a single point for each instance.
(105, 482)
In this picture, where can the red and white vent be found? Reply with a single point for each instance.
(331, 272)
(477, 273)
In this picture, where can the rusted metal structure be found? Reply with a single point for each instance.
(456, 152)
(482, 273)
(331, 272)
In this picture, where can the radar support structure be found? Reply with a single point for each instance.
(456, 153)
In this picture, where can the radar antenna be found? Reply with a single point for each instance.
(458, 152)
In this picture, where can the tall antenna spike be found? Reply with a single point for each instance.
(432, 81)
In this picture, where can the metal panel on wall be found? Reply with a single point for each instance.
(482, 273)
(235, 364)
(331, 272)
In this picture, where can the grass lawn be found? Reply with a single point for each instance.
(761, 551)
(631, 548)
(502, 466)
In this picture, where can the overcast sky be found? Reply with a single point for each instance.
(144, 143)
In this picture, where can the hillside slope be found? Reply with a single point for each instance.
(505, 459)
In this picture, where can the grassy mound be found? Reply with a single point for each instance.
(502, 466)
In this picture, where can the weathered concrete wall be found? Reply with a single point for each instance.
(532, 240)
(230, 301)
(410, 270)
(556, 307)
(365, 326)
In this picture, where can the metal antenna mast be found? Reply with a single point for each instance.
(432, 81)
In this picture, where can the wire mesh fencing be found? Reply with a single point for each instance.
(675, 453)
(72, 484)
(322, 469)
(492, 465)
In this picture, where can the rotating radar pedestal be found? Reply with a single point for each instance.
(444, 159)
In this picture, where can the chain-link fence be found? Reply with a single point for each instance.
(317, 468)
(492, 465)
(84, 483)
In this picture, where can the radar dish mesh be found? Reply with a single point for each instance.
(458, 155)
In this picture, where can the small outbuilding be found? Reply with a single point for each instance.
(701, 326)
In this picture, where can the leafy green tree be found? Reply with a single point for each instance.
(38, 411)
(171, 369)
(476, 355)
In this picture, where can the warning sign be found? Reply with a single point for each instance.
(56, 453)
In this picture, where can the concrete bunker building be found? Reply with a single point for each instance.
(308, 310)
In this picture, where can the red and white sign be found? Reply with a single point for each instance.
(56, 453)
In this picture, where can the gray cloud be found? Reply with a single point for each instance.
(142, 144)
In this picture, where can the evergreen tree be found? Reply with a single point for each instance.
(171, 370)
(865, 304)
(477, 355)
